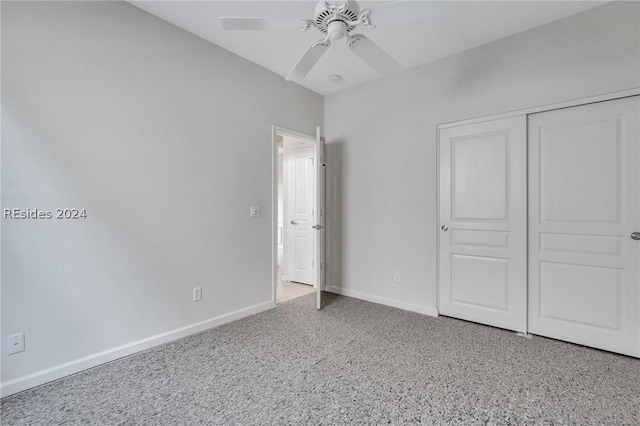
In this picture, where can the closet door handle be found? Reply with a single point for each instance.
(635, 236)
(293, 222)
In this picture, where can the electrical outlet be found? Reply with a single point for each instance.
(15, 343)
(254, 211)
(396, 277)
(197, 294)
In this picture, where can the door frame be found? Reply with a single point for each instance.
(526, 112)
(305, 137)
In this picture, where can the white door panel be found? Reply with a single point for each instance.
(479, 177)
(584, 281)
(465, 290)
(299, 187)
(482, 245)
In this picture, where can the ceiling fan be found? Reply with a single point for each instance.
(335, 19)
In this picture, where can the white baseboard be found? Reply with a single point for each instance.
(432, 312)
(28, 381)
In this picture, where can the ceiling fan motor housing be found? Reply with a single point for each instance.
(335, 22)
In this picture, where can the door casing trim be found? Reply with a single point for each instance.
(544, 108)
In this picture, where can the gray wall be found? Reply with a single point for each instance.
(381, 139)
(165, 139)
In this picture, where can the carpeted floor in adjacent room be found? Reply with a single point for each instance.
(353, 362)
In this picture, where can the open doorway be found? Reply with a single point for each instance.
(296, 215)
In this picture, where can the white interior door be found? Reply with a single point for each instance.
(584, 191)
(482, 239)
(320, 154)
(299, 205)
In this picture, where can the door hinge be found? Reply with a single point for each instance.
(323, 151)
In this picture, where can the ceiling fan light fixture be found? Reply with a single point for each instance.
(336, 30)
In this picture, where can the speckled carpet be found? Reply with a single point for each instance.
(354, 362)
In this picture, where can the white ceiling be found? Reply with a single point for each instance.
(412, 32)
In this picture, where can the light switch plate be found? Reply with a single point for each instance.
(15, 343)
(197, 294)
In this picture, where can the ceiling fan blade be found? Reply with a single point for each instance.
(369, 52)
(259, 24)
(308, 60)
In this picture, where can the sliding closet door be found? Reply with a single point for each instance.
(584, 187)
(482, 244)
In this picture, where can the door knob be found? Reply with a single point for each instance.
(445, 228)
(293, 222)
(635, 236)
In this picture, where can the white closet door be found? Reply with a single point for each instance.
(584, 188)
(483, 213)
